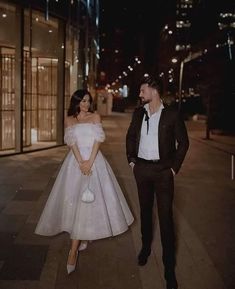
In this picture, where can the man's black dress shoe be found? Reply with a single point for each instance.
(172, 284)
(143, 256)
(171, 281)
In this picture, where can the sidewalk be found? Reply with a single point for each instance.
(197, 131)
(204, 215)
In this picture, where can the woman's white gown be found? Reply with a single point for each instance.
(108, 215)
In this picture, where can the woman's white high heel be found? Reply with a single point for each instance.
(83, 245)
(71, 268)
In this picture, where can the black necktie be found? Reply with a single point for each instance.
(146, 119)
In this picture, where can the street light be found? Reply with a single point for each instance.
(227, 23)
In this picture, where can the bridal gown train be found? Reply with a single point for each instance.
(108, 215)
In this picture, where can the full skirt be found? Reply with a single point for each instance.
(108, 215)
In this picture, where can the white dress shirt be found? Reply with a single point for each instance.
(148, 147)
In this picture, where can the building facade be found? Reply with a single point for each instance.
(48, 49)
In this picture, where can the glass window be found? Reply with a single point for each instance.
(7, 78)
(41, 68)
(71, 64)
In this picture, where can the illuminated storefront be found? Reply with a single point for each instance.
(43, 59)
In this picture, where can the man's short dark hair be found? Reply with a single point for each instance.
(153, 82)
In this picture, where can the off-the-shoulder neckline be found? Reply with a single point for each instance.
(75, 124)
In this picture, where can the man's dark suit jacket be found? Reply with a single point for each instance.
(172, 136)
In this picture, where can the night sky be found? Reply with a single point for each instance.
(133, 28)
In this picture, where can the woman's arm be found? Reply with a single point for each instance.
(87, 164)
(76, 153)
(69, 139)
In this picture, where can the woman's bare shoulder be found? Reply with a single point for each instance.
(96, 118)
(69, 121)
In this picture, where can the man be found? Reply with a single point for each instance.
(156, 145)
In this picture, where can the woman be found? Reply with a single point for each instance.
(86, 200)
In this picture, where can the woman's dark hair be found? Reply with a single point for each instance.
(153, 82)
(75, 100)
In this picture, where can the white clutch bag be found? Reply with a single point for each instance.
(87, 195)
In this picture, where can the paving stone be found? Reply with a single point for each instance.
(12, 223)
(27, 195)
(7, 192)
(56, 256)
(19, 208)
(6, 242)
(27, 236)
(24, 262)
(2, 206)
(1, 264)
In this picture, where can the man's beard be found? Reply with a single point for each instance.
(143, 101)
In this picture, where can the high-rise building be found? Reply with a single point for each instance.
(197, 58)
(184, 10)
